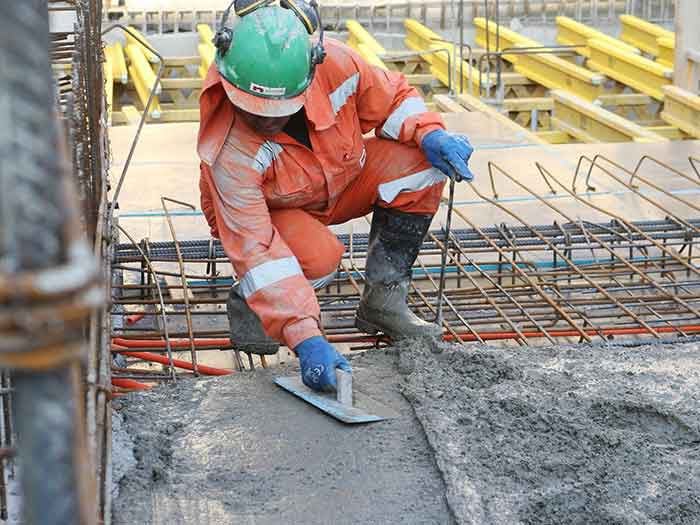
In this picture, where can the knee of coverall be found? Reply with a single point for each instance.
(394, 169)
(316, 248)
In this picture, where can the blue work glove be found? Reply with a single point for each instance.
(318, 360)
(449, 153)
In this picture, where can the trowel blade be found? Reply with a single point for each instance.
(330, 405)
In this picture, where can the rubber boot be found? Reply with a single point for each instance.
(247, 333)
(394, 241)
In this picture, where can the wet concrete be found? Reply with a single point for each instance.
(563, 435)
(572, 434)
(123, 459)
(240, 450)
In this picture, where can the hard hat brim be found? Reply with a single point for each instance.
(264, 107)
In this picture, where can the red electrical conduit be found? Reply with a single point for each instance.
(129, 384)
(174, 343)
(134, 318)
(495, 336)
(463, 336)
(178, 363)
(203, 342)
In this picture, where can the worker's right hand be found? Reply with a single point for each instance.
(318, 360)
(449, 153)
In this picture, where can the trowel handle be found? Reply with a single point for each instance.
(344, 386)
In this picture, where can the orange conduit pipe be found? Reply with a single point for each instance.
(178, 363)
(174, 343)
(129, 384)
(201, 342)
(495, 336)
(463, 336)
(134, 318)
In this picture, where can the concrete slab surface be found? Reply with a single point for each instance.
(566, 434)
(241, 450)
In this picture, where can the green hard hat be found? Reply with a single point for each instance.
(267, 68)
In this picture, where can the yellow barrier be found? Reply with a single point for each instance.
(206, 48)
(667, 52)
(592, 124)
(644, 75)
(206, 35)
(682, 109)
(573, 33)
(420, 38)
(143, 77)
(506, 39)
(643, 34)
(359, 35)
(545, 69)
(152, 58)
(115, 54)
(365, 44)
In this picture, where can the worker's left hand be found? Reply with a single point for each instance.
(449, 153)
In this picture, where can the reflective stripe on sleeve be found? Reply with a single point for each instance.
(408, 108)
(269, 273)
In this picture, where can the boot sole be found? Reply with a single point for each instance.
(367, 327)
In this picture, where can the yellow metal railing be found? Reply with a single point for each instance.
(115, 54)
(143, 77)
(133, 36)
(592, 124)
(667, 52)
(500, 38)
(682, 110)
(642, 74)
(365, 44)
(421, 39)
(545, 69)
(642, 34)
(206, 48)
(573, 33)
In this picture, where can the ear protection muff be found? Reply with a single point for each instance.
(307, 12)
(224, 35)
(310, 15)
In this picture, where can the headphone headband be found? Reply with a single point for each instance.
(307, 12)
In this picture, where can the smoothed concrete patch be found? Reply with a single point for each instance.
(562, 435)
(239, 449)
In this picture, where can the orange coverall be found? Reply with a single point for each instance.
(269, 199)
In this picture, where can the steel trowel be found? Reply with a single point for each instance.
(345, 405)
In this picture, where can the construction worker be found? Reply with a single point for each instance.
(284, 154)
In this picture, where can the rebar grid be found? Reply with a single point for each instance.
(572, 280)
